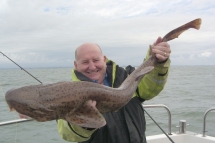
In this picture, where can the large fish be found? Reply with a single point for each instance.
(70, 100)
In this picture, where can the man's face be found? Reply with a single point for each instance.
(91, 62)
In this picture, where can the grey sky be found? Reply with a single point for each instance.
(46, 33)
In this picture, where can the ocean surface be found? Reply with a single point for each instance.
(189, 93)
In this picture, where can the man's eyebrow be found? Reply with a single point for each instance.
(84, 60)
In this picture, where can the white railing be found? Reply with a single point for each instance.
(204, 120)
(168, 111)
(14, 121)
(145, 106)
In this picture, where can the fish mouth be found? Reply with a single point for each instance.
(22, 116)
(11, 108)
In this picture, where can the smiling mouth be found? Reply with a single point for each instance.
(93, 72)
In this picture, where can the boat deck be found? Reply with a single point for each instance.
(181, 138)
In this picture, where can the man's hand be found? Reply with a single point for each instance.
(161, 50)
(91, 103)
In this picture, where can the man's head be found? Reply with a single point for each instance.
(90, 61)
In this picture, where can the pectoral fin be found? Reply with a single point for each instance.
(86, 116)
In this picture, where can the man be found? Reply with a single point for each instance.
(127, 125)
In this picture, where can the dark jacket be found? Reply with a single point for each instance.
(126, 125)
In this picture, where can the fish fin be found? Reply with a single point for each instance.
(144, 71)
(86, 116)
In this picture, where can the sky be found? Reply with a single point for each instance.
(41, 34)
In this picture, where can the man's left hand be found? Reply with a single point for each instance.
(161, 50)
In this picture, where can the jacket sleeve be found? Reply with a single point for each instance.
(153, 83)
(73, 133)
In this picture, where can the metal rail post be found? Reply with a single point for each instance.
(204, 120)
(168, 111)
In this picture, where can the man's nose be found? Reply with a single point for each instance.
(92, 66)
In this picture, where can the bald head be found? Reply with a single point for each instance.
(86, 47)
(90, 61)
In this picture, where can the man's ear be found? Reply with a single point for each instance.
(105, 58)
(75, 64)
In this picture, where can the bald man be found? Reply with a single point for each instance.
(127, 125)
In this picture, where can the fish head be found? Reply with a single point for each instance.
(25, 101)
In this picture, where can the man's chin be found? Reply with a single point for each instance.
(93, 77)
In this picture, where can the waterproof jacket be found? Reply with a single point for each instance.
(128, 124)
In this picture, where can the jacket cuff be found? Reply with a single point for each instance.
(83, 132)
(162, 68)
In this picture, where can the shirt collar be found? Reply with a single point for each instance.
(105, 80)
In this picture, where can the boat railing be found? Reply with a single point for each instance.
(204, 120)
(168, 111)
(145, 106)
(14, 121)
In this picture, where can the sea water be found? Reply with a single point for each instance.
(189, 92)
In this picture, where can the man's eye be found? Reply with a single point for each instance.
(85, 62)
(95, 60)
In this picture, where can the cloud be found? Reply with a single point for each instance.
(53, 29)
(205, 54)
